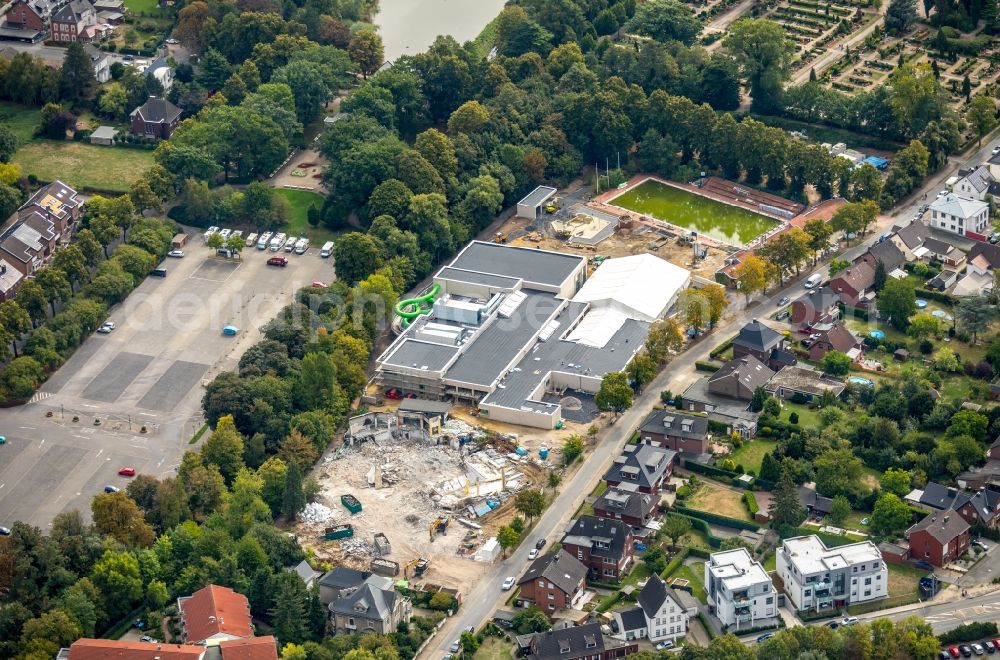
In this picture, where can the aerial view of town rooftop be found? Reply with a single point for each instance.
(329, 331)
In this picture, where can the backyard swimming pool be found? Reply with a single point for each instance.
(726, 223)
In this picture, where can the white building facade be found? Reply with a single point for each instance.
(817, 577)
(740, 592)
(960, 215)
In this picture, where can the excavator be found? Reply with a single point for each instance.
(419, 566)
(439, 526)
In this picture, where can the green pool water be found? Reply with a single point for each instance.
(731, 224)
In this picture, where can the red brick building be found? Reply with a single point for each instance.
(627, 504)
(29, 15)
(604, 546)
(553, 582)
(156, 118)
(940, 538)
(585, 642)
(852, 283)
(675, 430)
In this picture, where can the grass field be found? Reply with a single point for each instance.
(694, 575)
(21, 120)
(298, 222)
(81, 165)
(494, 648)
(146, 6)
(718, 500)
(904, 580)
(752, 453)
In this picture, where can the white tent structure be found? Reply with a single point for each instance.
(641, 287)
(489, 551)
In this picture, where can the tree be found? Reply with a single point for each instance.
(838, 472)
(56, 626)
(365, 50)
(530, 502)
(819, 232)
(615, 394)
(665, 20)
(675, 527)
(289, 611)
(357, 256)
(10, 199)
(900, 16)
(663, 337)
(896, 481)
(836, 363)
(8, 143)
(785, 508)
(14, 320)
(890, 516)
(55, 284)
(53, 122)
(786, 252)
(854, 217)
(508, 538)
(469, 118)
(974, 314)
(715, 298)
(118, 577)
(294, 499)
(224, 448)
(764, 52)
(117, 515)
(572, 449)
(308, 85)
(897, 302)
(76, 77)
(923, 326)
(840, 509)
(982, 115)
(530, 620)
(641, 370)
(655, 560)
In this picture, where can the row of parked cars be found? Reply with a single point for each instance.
(968, 650)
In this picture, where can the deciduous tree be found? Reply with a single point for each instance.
(615, 394)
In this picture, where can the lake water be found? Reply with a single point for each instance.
(409, 27)
(731, 224)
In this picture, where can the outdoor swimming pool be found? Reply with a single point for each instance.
(731, 224)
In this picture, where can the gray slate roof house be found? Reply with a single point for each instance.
(373, 607)
(306, 572)
(573, 643)
(739, 377)
(886, 252)
(624, 502)
(645, 466)
(566, 573)
(942, 251)
(653, 595)
(755, 336)
(338, 580)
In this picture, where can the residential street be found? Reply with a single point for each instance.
(486, 596)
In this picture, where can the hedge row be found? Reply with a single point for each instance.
(968, 632)
(722, 348)
(725, 521)
(675, 563)
(701, 365)
(709, 470)
(882, 604)
(699, 553)
(937, 296)
(702, 526)
(751, 501)
(717, 427)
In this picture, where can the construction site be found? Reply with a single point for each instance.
(417, 496)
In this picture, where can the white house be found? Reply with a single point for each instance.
(660, 615)
(974, 183)
(960, 215)
(816, 577)
(740, 592)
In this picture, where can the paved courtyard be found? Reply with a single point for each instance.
(148, 373)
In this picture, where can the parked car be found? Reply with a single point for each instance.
(994, 237)
(176, 254)
(954, 652)
(147, 639)
(139, 624)
(979, 544)
(159, 272)
(765, 637)
(106, 327)
(667, 644)
(111, 489)
(4, 531)
(455, 646)
(966, 650)
(508, 583)
(989, 646)
(832, 625)
(978, 648)
(393, 393)
(996, 150)
(944, 655)
(849, 620)
(172, 41)
(539, 544)
(781, 316)
(532, 553)
(127, 472)
(277, 261)
(784, 301)
(226, 232)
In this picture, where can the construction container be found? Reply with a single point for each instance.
(351, 503)
(543, 453)
(338, 532)
(521, 451)
(382, 544)
(384, 567)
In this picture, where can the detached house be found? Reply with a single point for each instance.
(887, 253)
(816, 577)
(974, 183)
(604, 546)
(764, 343)
(26, 246)
(374, 606)
(739, 377)
(624, 502)
(77, 21)
(909, 238)
(852, 283)
(156, 118)
(739, 590)
(585, 642)
(659, 615)
(937, 250)
(101, 62)
(816, 306)
(980, 507)
(552, 582)
(28, 20)
(939, 538)
(675, 430)
(10, 280)
(960, 215)
(803, 383)
(983, 258)
(837, 338)
(214, 614)
(645, 466)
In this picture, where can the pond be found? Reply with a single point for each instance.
(408, 27)
(731, 224)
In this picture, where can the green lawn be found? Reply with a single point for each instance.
(146, 6)
(771, 562)
(298, 221)
(694, 575)
(808, 417)
(83, 165)
(638, 573)
(21, 120)
(752, 453)
(494, 648)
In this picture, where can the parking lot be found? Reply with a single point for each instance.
(148, 373)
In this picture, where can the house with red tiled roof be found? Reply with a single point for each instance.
(215, 614)
(255, 648)
(102, 649)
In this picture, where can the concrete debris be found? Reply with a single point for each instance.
(316, 513)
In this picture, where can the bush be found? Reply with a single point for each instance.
(751, 501)
(717, 519)
(442, 601)
(926, 346)
(793, 418)
(968, 632)
(700, 365)
(684, 492)
(709, 470)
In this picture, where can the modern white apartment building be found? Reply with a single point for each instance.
(817, 577)
(740, 592)
(960, 215)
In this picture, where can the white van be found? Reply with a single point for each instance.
(290, 243)
(264, 240)
(277, 242)
(252, 240)
(301, 245)
(326, 250)
(813, 280)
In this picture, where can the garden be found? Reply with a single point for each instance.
(300, 201)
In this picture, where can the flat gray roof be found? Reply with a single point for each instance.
(104, 132)
(538, 196)
(424, 406)
(557, 355)
(415, 354)
(476, 277)
(495, 346)
(538, 266)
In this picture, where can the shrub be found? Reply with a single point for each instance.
(701, 365)
(751, 501)
(794, 418)
(683, 492)
(968, 632)
(926, 347)
(799, 397)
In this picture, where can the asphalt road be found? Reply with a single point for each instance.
(486, 596)
(148, 372)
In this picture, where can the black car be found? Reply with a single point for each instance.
(965, 650)
(159, 272)
(833, 625)
(540, 544)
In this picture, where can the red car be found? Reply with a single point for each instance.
(393, 393)
(277, 261)
(127, 472)
(953, 650)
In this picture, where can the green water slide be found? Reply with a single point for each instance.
(411, 308)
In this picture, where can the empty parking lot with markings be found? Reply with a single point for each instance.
(143, 381)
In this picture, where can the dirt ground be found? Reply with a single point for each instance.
(624, 242)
